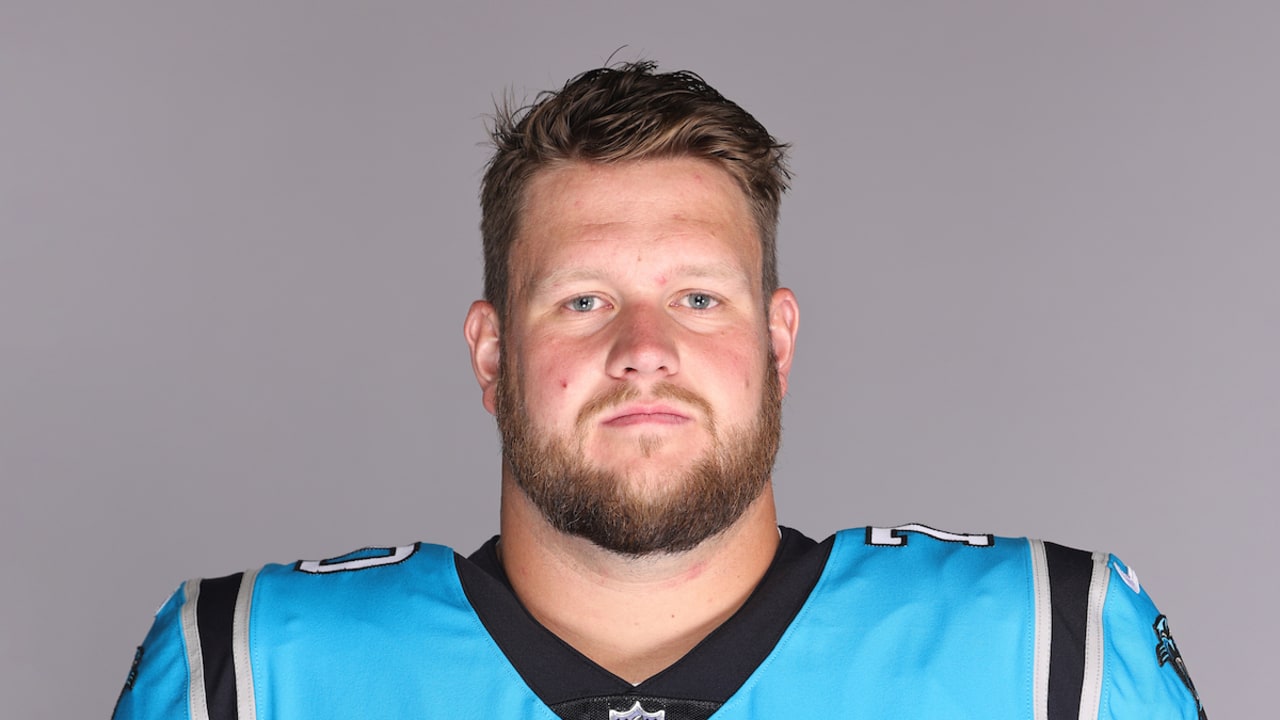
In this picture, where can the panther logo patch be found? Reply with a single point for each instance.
(1167, 653)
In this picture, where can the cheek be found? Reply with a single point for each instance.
(555, 375)
(551, 383)
(728, 366)
(737, 366)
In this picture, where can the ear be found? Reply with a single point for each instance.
(784, 323)
(481, 330)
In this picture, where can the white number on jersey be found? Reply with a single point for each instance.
(896, 536)
(343, 563)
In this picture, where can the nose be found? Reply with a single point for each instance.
(643, 345)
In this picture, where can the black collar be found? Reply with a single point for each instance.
(706, 677)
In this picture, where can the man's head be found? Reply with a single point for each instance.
(612, 115)
(634, 347)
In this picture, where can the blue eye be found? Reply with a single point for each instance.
(700, 301)
(584, 303)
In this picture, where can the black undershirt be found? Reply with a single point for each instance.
(693, 687)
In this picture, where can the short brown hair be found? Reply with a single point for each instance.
(615, 114)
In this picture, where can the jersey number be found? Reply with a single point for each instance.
(896, 536)
(359, 560)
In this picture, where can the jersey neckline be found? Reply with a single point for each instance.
(700, 681)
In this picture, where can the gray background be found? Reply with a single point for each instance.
(1035, 250)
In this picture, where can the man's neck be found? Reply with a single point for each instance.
(633, 616)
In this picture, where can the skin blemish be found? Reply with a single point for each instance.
(695, 571)
(564, 384)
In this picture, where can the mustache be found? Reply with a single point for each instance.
(620, 394)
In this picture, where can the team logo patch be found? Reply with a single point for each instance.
(637, 713)
(1167, 653)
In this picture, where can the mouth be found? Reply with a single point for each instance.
(645, 415)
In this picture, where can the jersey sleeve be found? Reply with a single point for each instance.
(1142, 672)
(159, 680)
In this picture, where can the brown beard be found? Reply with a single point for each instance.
(600, 506)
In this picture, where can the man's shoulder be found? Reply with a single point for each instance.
(939, 594)
(352, 596)
(927, 567)
(924, 555)
(414, 556)
(373, 575)
(917, 541)
(917, 544)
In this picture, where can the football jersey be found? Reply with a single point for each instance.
(906, 622)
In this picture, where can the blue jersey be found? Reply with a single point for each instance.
(905, 622)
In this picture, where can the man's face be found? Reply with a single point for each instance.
(639, 397)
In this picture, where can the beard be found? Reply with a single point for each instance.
(602, 506)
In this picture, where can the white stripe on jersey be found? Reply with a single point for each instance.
(199, 708)
(246, 708)
(1091, 692)
(1044, 629)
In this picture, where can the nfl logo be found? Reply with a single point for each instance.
(637, 713)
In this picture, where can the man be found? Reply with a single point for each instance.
(635, 347)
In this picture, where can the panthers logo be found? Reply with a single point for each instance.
(1167, 653)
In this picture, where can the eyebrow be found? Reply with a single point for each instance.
(713, 271)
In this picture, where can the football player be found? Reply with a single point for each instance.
(634, 345)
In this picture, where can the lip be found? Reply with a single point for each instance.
(645, 414)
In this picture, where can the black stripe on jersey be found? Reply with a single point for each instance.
(1070, 573)
(215, 618)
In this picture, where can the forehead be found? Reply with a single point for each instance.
(691, 211)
